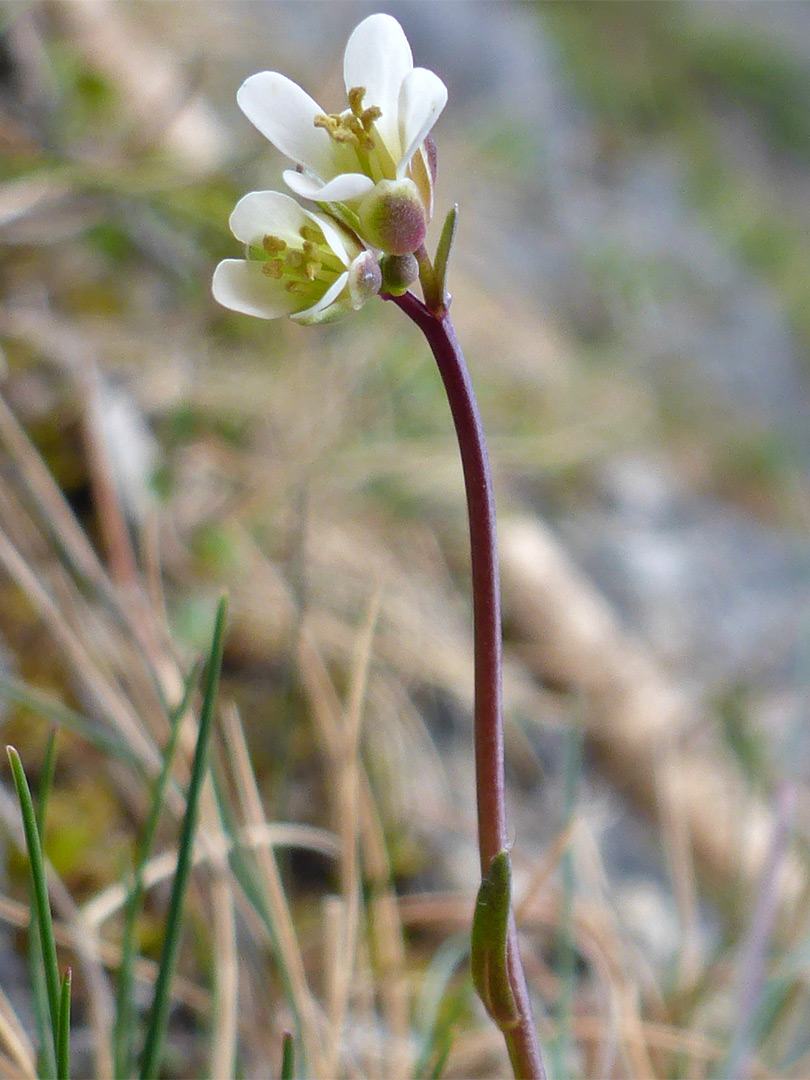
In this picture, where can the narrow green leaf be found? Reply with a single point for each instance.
(488, 947)
(124, 1018)
(61, 716)
(46, 781)
(159, 1015)
(438, 1008)
(47, 1056)
(288, 1057)
(40, 888)
(63, 1030)
(443, 249)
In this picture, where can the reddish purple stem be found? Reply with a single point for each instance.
(522, 1043)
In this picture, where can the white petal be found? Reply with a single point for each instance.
(285, 114)
(267, 213)
(334, 236)
(378, 57)
(241, 286)
(421, 100)
(344, 187)
(318, 312)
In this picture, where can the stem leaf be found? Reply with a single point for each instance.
(490, 927)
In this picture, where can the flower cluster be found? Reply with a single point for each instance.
(369, 169)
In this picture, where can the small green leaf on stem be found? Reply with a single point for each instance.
(287, 1057)
(63, 1030)
(490, 928)
(445, 246)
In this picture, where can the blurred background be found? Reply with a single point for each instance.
(631, 284)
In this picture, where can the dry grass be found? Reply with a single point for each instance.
(313, 475)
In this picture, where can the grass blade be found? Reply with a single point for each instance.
(288, 1057)
(60, 715)
(47, 1062)
(63, 1028)
(123, 1040)
(40, 888)
(160, 1005)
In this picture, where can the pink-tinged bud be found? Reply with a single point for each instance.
(393, 217)
(398, 273)
(365, 279)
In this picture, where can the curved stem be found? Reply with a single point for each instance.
(521, 1037)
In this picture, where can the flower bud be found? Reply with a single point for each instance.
(398, 273)
(365, 279)
(393, 217)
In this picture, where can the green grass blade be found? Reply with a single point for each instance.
(288, 1057)
(63, 1029)
(20, 693)
(40, 887)
(160, 1005)
(124, 1025)
(439, 1007)
(47, 1056)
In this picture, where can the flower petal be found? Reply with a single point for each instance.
(421, 100)
(378, 57)
(334, 236)
(267, 213)
(349, 185)
(241, 286)
(285, 114)
(318, 313)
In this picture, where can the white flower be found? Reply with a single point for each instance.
(298, 263)
(341, 157)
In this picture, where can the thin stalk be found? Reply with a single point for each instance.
(493, 838)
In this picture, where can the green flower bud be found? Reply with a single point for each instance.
(398, 273)
(393, 218)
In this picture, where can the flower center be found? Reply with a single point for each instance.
(356, 128)
(300, 267)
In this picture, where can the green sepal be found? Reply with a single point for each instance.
(490, 930)
(443, 249)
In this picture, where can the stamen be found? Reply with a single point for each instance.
(294, 260)
(273, 269)
(311, 269)
(297, 286)
(273, 245)
(369, 116)
(355, 96)
(310, 233)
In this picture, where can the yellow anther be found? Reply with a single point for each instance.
(369, 116)
(273, 269)
(356, 95)
(296, 286)
(273, 245)
(294, 260)
(311, 234)
(311, 269)
(328, 121)
(344, 136)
